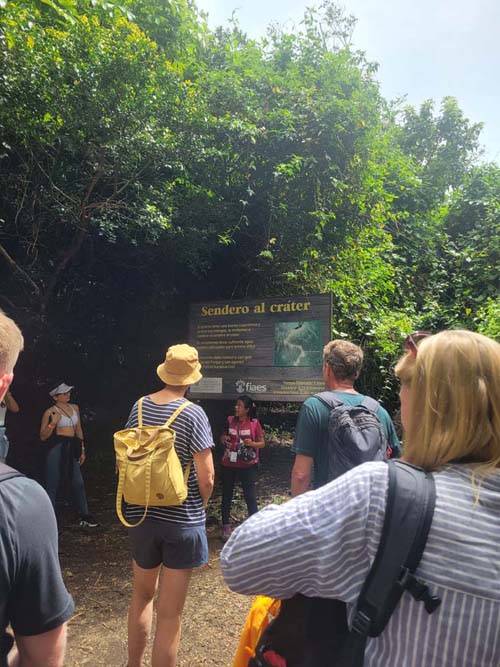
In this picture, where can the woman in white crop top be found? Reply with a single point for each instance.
(62, 430)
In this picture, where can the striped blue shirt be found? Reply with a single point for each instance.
(323, 543)
(192, 434)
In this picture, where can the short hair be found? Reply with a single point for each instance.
(11, 343)
(344, 358)
(454, 403)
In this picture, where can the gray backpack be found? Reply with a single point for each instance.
(355, 434)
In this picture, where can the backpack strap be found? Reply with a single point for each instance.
(329, 399)
(139, 412)
(408, 517)
(332, 401)
(177, 413)
(169, 422)
(370, 403)
(170, 419)
(119, 493)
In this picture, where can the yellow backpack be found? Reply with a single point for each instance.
(149, 470)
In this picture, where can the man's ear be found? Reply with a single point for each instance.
(328, 373)
(5, 382)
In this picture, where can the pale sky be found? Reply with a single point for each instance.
(425, 48)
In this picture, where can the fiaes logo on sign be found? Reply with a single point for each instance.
(242, 387)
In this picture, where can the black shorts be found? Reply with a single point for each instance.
(177, 546)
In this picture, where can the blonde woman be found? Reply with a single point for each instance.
(323, 543)
(62, 430)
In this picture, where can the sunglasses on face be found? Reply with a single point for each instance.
(412, 340)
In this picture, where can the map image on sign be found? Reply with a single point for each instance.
(298, 343)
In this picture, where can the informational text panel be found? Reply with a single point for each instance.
(269, 348)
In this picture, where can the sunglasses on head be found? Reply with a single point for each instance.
(412, 340)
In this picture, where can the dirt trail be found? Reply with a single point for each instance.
(97, 571)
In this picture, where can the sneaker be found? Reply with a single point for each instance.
(226, 532)
(88, 521)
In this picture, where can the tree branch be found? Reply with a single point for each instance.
(16, 268)
(8, 302)
(84, 218)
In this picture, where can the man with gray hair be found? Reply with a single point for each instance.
(33, 598)
(342, 362)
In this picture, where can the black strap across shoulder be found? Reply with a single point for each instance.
(408, 517)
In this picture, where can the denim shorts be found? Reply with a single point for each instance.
(177, 546)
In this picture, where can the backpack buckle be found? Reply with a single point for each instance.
(361, 623)
(419, 590)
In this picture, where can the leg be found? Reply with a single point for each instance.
(247, 478)
(140, 613)
(228, 480)
(78, 487)
(53, 472)
(173, 590)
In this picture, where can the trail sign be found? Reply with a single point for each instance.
(269, 348)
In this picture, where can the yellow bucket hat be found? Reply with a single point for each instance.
(181, 366)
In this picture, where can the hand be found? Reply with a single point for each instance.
(248, 442)
(82, 458)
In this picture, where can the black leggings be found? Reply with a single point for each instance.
(247, 478)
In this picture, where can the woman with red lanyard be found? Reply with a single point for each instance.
(242, 441)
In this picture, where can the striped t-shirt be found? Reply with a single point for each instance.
(324, 542)
(192, 434)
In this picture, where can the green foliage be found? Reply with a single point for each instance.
(488, 319)
(93, 120)
(146, 161)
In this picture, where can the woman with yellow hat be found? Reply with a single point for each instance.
(173, 538)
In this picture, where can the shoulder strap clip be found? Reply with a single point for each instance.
(419, 590)
(361, 623)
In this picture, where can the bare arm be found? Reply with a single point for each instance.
(47, 428)
(78, 429)
(258, 444)
(301, 474)
(45, 650)
(11, 402)
(204, 464)
(79, 434)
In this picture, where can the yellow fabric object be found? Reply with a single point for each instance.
(262, 612)
(149, 470)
